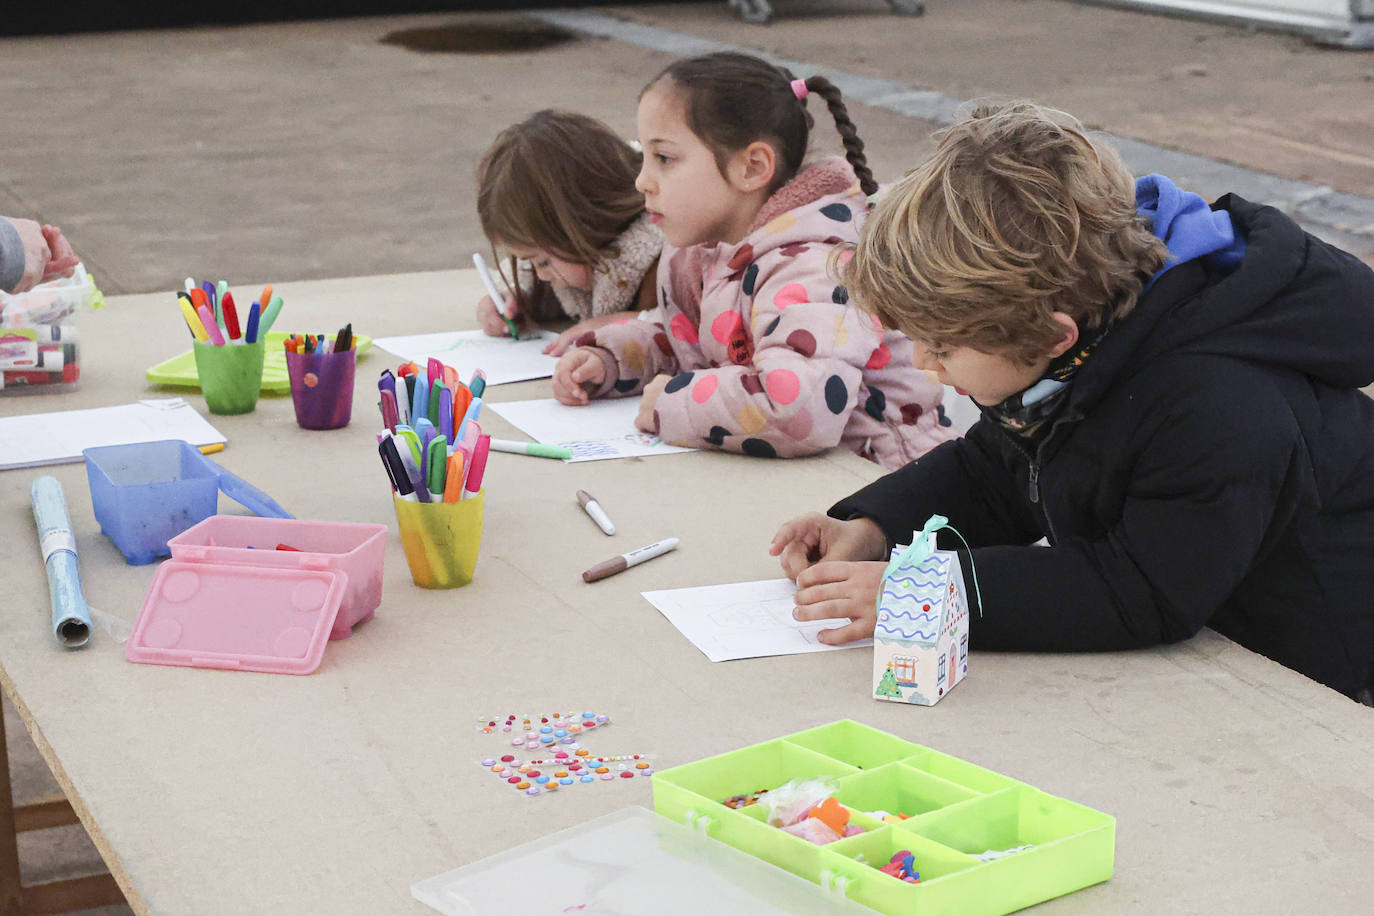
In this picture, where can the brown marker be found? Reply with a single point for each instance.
(626, 560)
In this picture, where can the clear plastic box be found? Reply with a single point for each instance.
(631, 862)
(39, 341)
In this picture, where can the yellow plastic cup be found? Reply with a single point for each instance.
(441, 540)
(230, 376)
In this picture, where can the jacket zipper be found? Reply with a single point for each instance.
(1033, 476)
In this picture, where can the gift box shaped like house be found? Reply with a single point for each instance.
(920, 642)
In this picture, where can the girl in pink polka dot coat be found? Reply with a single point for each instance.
(756, 349)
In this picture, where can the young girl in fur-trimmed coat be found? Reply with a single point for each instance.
(557, 193)
(758, 349)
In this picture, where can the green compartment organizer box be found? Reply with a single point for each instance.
(957, 811)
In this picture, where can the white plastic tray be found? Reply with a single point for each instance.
(631, 862)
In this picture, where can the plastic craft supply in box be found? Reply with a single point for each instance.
(39, 342)
(231, 597)
(957, 810)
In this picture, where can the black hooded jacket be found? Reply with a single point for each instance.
(1213, 466)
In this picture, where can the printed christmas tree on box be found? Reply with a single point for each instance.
(920, 642)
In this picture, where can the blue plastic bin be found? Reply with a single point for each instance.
(147, 493)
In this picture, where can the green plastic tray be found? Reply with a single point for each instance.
(958, 810)
(180, 370)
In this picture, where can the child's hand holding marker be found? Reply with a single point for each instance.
(212, 317)
(497, 320)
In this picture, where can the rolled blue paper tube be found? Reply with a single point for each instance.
(71, 617)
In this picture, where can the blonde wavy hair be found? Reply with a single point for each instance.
(1017, 214)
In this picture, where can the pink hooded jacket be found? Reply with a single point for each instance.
(767, 355)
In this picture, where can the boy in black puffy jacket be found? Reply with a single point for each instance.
(1169, 394)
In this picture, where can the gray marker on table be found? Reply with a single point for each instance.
(598, 514)
(71, 617)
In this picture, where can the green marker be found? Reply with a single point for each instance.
(537, 449)
(269, 316)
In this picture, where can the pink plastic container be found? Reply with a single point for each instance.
(221, 615)
(356, 549)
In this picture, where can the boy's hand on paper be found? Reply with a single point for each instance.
(803, 542)
(648, 401)
(840, 589)
(61, 259)
(490, 318)
(560, 346)
(577, 368)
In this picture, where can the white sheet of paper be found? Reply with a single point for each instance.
(502, 360)
(58, 437)
(744, 620)
(605, 428)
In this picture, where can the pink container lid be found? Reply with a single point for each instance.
(244, 618)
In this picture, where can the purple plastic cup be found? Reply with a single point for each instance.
(322, 387)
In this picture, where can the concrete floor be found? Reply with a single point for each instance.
(318, 149)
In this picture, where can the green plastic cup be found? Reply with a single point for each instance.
(230, 376)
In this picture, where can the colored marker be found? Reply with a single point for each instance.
(419, 407)
(192, 319)
(473, 412)
(453, 482)
(231, 318)
(496, 298)
(409, 438)
(473, 485)
(250, 330)
(593, 508)
(436, 387)
(210, 296)
(413, 474)
(390, 418)
(537, 449)
(478, 383)
(269, 315)
(626, 560)
(427, 433)
(395, 469)
(409, 397)
(436, 465)
(208, 320)
(445, 411)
